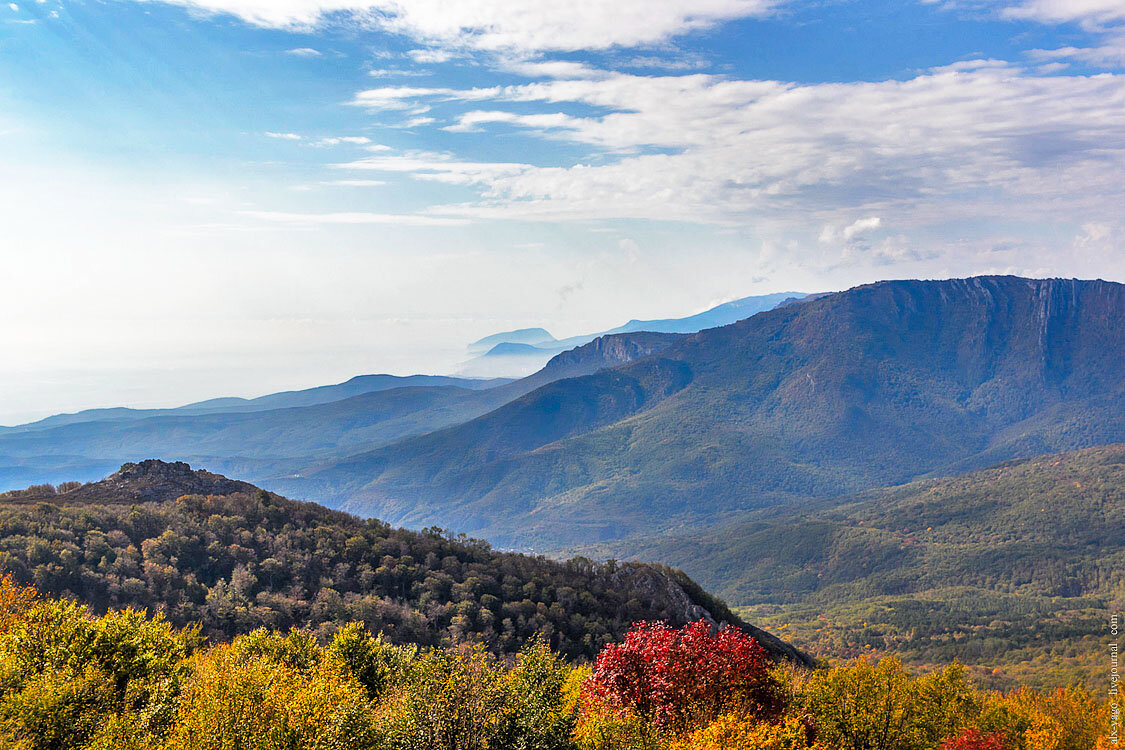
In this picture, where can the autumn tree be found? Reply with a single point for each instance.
(686, 677)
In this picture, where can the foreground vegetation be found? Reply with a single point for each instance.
(69, 679)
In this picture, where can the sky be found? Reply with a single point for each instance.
(202, 198)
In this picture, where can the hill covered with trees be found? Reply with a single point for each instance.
(226, 556)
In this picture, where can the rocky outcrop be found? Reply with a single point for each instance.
(616, 349)
(155, 481)
(606, 351)
(659, 586)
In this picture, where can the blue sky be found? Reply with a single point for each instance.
(213, 197)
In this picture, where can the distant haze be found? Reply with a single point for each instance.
(202, 198)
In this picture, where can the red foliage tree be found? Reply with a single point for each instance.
(974, 739)
(678, 678)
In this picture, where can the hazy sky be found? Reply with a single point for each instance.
(231, 197)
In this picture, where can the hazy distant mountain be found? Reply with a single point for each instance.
(530, 336)
(518, 353)
(725, 314)
(329, 393)
(271, 442)
(512, 349)
(864, 388)
(287, 399)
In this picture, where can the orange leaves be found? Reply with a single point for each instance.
(14, 601)
(974, 739)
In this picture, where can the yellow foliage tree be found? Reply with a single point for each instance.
(732, 732)
(258, 703)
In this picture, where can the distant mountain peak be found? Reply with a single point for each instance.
(528, 336)
(524, 351)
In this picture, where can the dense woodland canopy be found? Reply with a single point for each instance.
(232, 563)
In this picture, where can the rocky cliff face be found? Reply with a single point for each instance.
(609, 351)
(660, 586)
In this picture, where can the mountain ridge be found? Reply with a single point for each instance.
(267, 443)
(356, 386)
(857, 389)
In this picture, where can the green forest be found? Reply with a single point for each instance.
(237, 562)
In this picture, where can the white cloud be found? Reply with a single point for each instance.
(499, 25)
(890, 251)
(550, 68)
(1103, 18)
(429, 55)
(436, 167)
(412, 220)
(470, 120)
(1109, 54)
(406, 97)
(355, 140)
(1090, 13)
(831, 233)
(283, 136)
(975, 140)
(1094, 236)
(395, 72)
(304, 52)
(860, 226)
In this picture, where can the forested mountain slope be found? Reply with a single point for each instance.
(864, 388)
(225, 555)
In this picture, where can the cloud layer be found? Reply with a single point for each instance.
(501, 25)
(967, 140)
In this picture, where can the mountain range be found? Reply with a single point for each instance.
(869, 387)
(263, 443)
(635, 434)
(821, 464)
